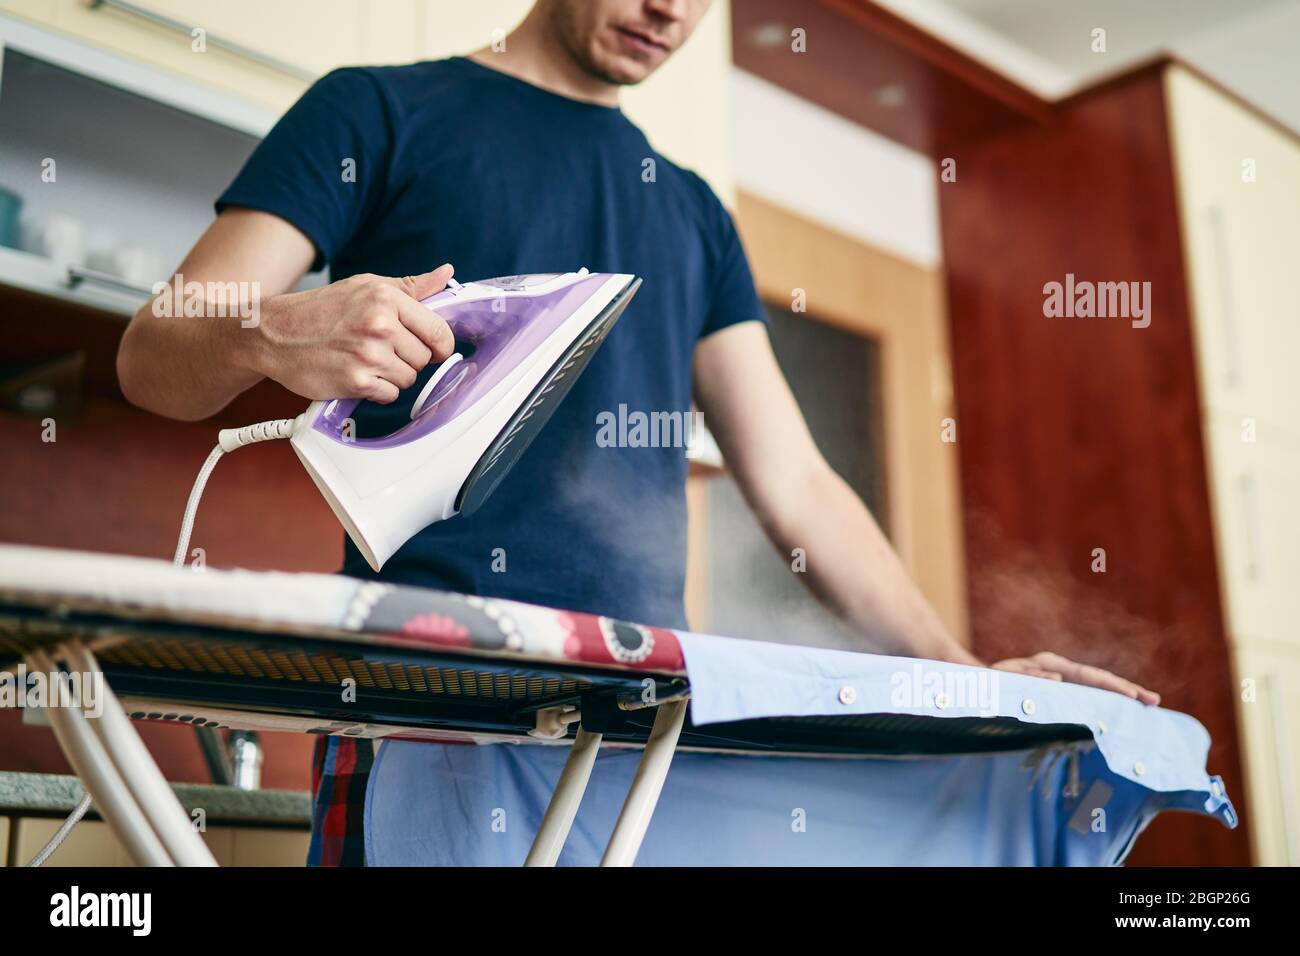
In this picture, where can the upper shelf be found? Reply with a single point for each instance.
(125, 158)
(139, 79)
(32, 273)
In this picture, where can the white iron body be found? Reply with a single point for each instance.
(384, 495)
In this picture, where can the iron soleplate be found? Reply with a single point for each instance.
(523, 426)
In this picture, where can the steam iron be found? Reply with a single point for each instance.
(521, 342)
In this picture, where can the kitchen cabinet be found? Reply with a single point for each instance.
(1173, 447)
(144, 42)
(1239, 184)
(116, 199)
(1238, 178)
(267, 53)
(1268, 710)
(92, 843)
(1257, 526)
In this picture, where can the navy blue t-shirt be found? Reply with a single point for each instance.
(456, 162)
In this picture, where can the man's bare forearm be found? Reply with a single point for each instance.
(187, 368)
(855, 572)
(364, 336)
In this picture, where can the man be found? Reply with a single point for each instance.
(514, 162)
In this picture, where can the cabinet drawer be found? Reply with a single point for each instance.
(1247, 317)
(1268, 707)
(1255, 487)
(93, 843)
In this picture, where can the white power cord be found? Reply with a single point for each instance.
(142, 837)
(62, 832)
(227, 440)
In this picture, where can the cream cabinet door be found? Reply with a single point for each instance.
(1268, 708)
(1256, 508)
(308, 37)
(1239, 182)
(93, 843)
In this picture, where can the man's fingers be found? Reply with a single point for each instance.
(427, 283)
(1095, 677)
(1085, 673)
(398, 372)
(383, 392)
(427, 326)
(1021, 665)
(1055, 667)
(410, 349)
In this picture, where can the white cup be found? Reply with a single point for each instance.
(61, 239)
(136, 266)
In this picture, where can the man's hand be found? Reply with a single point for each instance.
(1055, 667)
(362, 337)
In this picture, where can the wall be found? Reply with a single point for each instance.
(873, 293)
(116, 480)
(793, 153)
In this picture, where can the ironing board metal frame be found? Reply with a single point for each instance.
(273, 651)
(614, 705)
(133, 798)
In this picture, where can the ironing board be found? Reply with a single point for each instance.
(327, 654)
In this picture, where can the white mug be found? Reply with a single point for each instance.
(136, 266)
(61, 239)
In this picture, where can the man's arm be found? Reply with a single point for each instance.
(362, 337)
(802, 503)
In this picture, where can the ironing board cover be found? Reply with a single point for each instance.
(1102, 767)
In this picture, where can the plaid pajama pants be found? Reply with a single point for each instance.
(340, 771)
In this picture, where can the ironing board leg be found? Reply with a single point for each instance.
(564, 802)
(140, 771)
(642, 796)
(101, 778)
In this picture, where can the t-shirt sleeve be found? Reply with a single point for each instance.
(735, 299)
(322, 166)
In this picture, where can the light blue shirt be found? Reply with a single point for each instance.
(1081, 803)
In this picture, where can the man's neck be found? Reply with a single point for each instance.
(534, 54)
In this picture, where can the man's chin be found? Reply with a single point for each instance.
(622, 70)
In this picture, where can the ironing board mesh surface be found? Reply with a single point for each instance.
(237, 660)
(323, 668)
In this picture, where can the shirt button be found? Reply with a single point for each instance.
(941, 701)
(848, 694)
(1139, 768)
(1028, 706)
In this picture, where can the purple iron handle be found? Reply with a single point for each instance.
(501, 340)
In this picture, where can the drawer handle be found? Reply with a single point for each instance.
(1250, 521)
(77, 275)
(1227, 302)
(228, 45)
